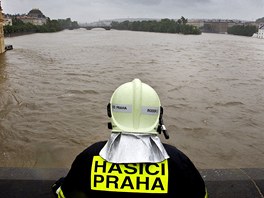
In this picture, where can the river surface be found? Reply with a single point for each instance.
(54, 89)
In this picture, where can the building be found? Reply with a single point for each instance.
(2, 43)
(261, 31)
(216, 26)
(211, 25)
(196, 22)
(35, 16)
(7, 20)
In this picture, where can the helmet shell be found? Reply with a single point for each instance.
(135, 107)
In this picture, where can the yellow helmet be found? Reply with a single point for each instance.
(135, 107)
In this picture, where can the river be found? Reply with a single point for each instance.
(54, 89)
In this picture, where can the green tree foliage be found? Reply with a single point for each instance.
(184, 21)
(243, 30)
(163, 26)
(19, 27)
(260, 20)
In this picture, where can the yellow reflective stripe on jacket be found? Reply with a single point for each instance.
(206, 194)
(60, 194)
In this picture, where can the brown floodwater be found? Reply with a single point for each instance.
(54, 89)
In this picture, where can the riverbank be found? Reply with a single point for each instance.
(18, 34)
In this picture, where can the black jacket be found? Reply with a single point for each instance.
(184, 180)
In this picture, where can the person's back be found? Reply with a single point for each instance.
(133, 162)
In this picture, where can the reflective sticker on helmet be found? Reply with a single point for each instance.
(150, 110)
(122, 108)
(133, 178)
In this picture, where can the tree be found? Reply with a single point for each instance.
(184, 21)
(260, 20)
(164, 25)
(50, 26)
(243, 30)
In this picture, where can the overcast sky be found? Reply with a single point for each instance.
(94, 10)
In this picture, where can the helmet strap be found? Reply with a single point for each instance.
(109, 124)
(161, 126)
(109, 110)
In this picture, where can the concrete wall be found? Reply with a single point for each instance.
(221, 183)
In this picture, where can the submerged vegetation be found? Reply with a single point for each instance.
(163, 26)
(19, 27)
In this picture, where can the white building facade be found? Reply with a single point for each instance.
(7, 20)
(261, 31)
(34, 17)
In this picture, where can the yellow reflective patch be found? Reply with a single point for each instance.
(206, 194)
(60, 194)
(134, 178)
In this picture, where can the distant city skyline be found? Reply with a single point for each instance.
(86, 11)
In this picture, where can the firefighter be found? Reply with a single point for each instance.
(133, 162)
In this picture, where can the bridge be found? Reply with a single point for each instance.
(99, 24)
(106, 27)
